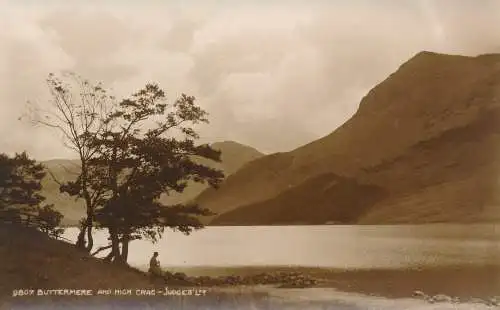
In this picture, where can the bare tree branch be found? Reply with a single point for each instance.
(103, 248)
(79, 117)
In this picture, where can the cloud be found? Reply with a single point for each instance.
(272, 74)
(180, 37)
(92, 38)
(468, 28)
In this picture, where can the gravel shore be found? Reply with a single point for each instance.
(464, 281)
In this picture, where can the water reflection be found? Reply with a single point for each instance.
(320, 246)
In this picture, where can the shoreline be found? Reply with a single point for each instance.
(461, 281)
(388, 224)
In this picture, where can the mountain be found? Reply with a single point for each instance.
(63, 170)
(233, 157)
(421, 148)
(318, 193)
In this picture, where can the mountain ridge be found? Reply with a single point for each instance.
(427, 96)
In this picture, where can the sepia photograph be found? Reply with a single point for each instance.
(215, 154)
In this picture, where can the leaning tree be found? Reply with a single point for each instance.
(149, 149)
(77, 110)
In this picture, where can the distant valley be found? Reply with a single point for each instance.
(233, 157)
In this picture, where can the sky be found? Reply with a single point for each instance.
(271, 74)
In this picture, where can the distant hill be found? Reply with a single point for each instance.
(422, 147)
(63, 170)
(233, 156)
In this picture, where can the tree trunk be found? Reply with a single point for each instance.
(115, 246)
(80, 242)
(113, 227)
(125, 243)
(88, 203)
(90, 239)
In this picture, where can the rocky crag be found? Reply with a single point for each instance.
(422, 148)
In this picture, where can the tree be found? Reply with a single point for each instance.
(136, 165)
(77, 110)
(49, 220)
(20, 184)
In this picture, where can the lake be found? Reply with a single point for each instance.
(328, 246)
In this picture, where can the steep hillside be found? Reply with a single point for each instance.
(428, 135)
(318, 193)
(234, 156)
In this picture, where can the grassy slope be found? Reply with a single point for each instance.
(30, 259)
(427, 135)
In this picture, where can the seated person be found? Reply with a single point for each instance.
(154, 265)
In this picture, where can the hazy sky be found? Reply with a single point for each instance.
(272, 74)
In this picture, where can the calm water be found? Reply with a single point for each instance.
(323, 246)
